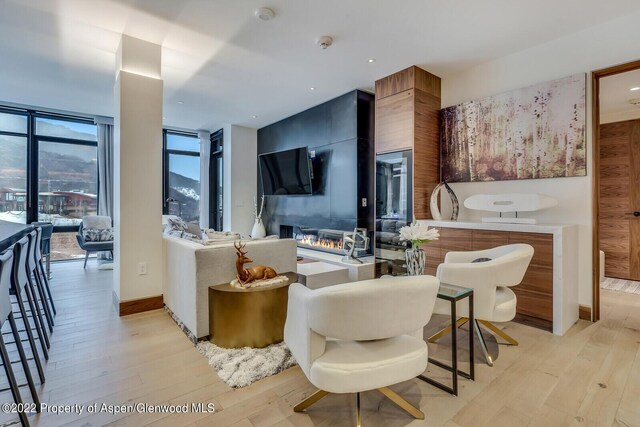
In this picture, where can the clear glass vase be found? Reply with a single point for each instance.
(415, 259)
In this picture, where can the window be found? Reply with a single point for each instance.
(215, 182)
(66, 129)
(13, 166)
(67, 182)
(14, 123)
(67, 178)
(13, 177)
(48, 172)
(182, 175)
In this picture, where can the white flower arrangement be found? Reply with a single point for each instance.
(418, 234)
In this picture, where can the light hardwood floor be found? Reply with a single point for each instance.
(589, 377)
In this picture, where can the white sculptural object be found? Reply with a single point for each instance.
(353, 242)
(510, 203)
(435, 198)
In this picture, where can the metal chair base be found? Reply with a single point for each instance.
(488, 325)
(386, 391)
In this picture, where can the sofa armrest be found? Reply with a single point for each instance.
(179, 287)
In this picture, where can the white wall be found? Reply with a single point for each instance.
(239, 164)
(619, 116)
(597, 47)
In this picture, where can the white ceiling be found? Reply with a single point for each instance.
(226, 65)
(615, 96)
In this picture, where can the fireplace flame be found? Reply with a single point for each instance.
(314, 241)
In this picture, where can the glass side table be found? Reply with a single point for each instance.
(453, 294)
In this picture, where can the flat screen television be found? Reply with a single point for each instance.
(286, 173)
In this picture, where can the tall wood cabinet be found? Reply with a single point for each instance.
(406, 118)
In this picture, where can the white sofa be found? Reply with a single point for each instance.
(191, 267)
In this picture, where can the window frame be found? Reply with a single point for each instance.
(215, 188)
(33, 147)
(166, 153)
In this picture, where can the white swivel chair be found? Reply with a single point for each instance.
(361, 336)
(490, 273)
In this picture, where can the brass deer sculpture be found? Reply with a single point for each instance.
(248, 275)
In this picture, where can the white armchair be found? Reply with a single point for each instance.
(375, 329)
(490, 273)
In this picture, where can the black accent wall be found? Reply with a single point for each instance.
(340, 132)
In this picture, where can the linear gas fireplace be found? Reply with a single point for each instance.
(321, 239)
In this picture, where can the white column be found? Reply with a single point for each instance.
(138, 266)
(239, 164)
(205, 158)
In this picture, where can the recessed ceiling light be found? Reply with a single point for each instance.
(265, 14)
(312, 88)
(254, 117)
(164, 118)
(633, 89)
(372, 59)
(180, 102)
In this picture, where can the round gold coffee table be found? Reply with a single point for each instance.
(251, 317)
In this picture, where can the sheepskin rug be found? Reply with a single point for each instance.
(239, 367)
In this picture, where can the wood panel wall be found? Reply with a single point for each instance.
(394, 122)
(620, 195)
(426, 151)
(535, 293)
(409, 78)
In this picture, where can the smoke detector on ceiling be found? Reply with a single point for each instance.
(265, 14)
(324, 41)
(635, 101)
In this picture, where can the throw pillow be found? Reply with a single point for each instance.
(177, 224)
(269, 237)
(193, 237)
(481, 260)
(221, 235)
(97, 234)
(193, 228)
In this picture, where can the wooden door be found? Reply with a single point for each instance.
(620, 198)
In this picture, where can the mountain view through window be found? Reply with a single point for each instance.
(182, 157)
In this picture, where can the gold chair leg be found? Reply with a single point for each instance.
(398, 400)
(493, 328)
(435, 337)
(358, 410)
(310, 400)
(483, 344)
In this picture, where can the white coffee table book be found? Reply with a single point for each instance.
(510, 203)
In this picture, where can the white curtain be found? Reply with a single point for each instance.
(105, 171)
(205, 157)
(105, 166)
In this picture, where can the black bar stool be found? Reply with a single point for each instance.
(19, 283)
(32, 298)
(35, 241)
(6, 261)
(45, 245)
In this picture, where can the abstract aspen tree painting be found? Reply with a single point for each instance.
(534, 132)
